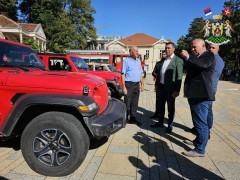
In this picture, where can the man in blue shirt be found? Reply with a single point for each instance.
(132, 80)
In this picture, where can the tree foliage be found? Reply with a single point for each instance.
(194, 32)
(31, 42)
(231, 51)
(66, 23)
(9, 9)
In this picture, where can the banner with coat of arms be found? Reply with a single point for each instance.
(217, 31)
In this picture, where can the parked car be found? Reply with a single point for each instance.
(54, 113)
(73, 63)
(101, 67)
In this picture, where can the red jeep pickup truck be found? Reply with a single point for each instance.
(54, 113)
(74, 63)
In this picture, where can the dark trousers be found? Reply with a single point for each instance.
(132, 97)
(163, 97)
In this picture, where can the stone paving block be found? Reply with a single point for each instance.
(102, 176)
(125, 141)
(229, 169)
(4, 151)
(15, 156)
(5, 164)
(82, 168)
(234, 140)
(204, 162)
(220, 151)
(6, 155)
(118, 164)
(12, 166)
(101, 151)
(133, 151)
(16, 176)
(24, 169)
(92, 168)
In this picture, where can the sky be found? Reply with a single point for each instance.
(168, 18)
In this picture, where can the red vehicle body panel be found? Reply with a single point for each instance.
(107, 75)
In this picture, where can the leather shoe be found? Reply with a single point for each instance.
(168, 130)
(189, 142)
(192, 153)
(157, 125)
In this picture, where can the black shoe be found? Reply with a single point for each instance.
(157, 125)
(168, 130)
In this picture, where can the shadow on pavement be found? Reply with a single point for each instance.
(165, 163)
(11, 143)
(3, 178)
(97, 142)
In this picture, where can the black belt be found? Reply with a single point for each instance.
(130, 82)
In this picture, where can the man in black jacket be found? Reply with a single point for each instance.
(198, 89)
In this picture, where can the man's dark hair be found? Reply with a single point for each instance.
(171, 43)
(164, 51)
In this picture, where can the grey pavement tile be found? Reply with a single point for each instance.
(92, 168)
(15, 176)
(102, 176)
(15, 156)
(230, 170)
(75, 177)
(124, 150)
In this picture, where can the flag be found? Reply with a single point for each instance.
(227, 12)
(207, 11)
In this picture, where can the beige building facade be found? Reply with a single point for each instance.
(149, 47)
(12, 30)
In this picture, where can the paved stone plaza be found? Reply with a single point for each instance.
(148, 153)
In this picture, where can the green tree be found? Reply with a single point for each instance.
(67, 24)
(31, 42)
(231, 51)
(9, 8)
(194, 31)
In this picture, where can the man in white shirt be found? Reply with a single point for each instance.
(168, 81)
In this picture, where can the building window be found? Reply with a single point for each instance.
(147, 54)
(160, 54)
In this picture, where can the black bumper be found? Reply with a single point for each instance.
(111, 120)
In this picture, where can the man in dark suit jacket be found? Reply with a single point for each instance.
(198, 89)
(168, 81)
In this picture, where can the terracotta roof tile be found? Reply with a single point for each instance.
(139, 39)
(28, 26)
(6, 22)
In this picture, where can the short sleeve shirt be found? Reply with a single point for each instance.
(132, 69)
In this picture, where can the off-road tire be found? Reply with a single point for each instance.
(54, 144)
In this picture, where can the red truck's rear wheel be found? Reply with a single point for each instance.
(54, 144)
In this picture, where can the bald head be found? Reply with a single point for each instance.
(198, 47)
(214, 48)
(133, 52)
